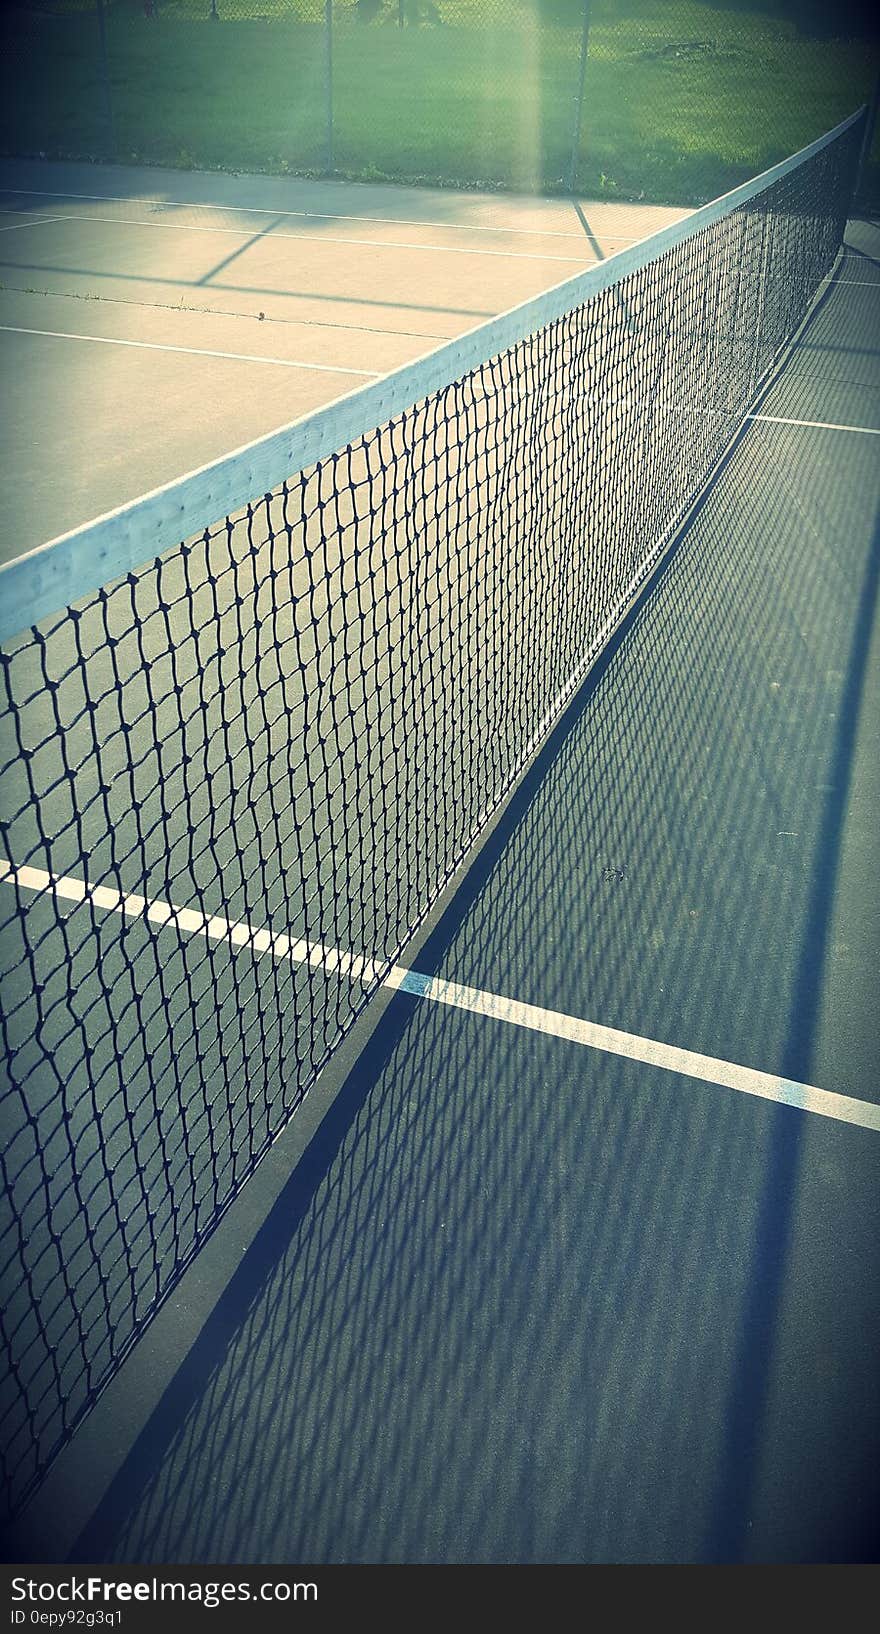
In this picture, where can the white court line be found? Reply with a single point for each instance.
(41, 221)
(189, 351)
(217, 311)
(328, 238)
(315, 215)
(814, 425)
(707, 1069)
(766, 1086)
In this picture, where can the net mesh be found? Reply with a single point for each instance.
(234, 781)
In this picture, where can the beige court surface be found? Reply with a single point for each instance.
(152, 321)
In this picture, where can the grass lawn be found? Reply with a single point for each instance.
(683, 99)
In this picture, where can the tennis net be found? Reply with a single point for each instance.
(237, 772)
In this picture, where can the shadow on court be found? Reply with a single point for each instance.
(522, 1301)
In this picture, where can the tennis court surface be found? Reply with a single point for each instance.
(153, 320)
(495, 762)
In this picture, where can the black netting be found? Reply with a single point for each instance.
(234, 782)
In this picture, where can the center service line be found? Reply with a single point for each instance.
(240, 934)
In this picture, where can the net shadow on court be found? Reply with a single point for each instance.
(522, 1302)
(148, 1099)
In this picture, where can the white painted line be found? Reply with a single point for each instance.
(218, 311)
(857, 283)
(322, 215)
(814, 425)
(189, 920)
(331, 238)
(189, 351)
(706, 1069)
(40, 221)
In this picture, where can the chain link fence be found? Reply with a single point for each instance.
(668, 100)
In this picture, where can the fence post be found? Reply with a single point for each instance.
(105, 76)
(579, 101)
(328, 43)
(868, 139)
